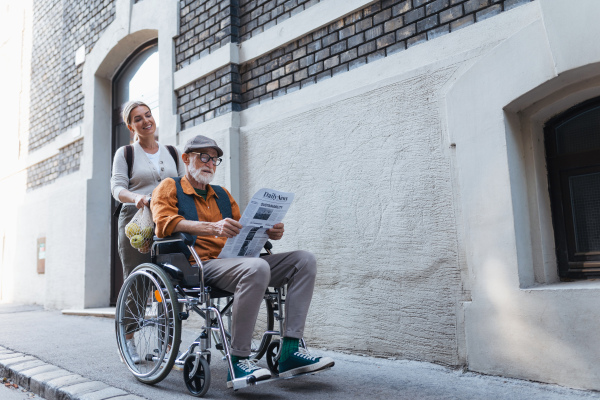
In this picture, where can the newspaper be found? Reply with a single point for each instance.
(266, 208)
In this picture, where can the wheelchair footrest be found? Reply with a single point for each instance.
(241, 383)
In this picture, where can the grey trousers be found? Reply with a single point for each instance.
(131, 258)
(248, 279)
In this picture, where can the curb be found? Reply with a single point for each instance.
(54, 383)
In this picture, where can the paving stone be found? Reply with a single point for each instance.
(8, 356)
(37, 382)
(79, 389)
(15, 369)
(23, 377)
(107, 393)
(17, 360)
(53, 388)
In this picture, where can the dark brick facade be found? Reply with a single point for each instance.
(257, 16)
(205, 26)
(212, 96)
(64, 163)
(60, 28)
(379, 30)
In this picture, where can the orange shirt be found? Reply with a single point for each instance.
(166, 217)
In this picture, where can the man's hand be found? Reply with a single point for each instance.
(227, 227)
(276, 232)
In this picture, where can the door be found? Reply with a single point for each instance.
(136, 80)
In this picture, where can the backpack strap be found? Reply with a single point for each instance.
(173, 152)
(129, 159)
(223, 201)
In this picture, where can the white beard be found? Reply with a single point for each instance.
(202, 178)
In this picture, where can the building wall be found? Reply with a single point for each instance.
(381, 244)
(377, 118)
(61, 28)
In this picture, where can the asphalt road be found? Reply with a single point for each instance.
(86, 346)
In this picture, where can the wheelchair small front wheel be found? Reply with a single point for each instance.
(147, 323)
(273, 357)
(197, 382)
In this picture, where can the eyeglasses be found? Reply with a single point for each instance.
(206, 158)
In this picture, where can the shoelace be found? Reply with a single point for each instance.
(303, 353)
(248, 365)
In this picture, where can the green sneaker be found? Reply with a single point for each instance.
(301, 362)
(244, 368)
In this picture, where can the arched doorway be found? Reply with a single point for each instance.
(137, 79)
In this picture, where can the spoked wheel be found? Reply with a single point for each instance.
(264, 322)
(196, 382)
(273, 357)
(147, 307)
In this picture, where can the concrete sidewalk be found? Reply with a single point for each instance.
(61, 356)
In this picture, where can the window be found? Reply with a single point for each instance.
(572, 141)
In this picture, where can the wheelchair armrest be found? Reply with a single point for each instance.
(186, 238)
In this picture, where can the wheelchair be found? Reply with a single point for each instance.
(156, 297)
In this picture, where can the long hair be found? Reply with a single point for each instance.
(126, 113)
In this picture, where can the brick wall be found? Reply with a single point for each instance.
(257, 16)
(205, 26)
(379, 30)
(64, 163)
(60, 28)
(213, 95)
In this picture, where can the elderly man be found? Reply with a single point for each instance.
(246, 277)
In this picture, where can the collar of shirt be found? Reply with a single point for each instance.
(189, 189)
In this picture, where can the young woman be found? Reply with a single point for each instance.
(152, 162)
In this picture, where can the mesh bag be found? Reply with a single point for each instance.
(140, 230)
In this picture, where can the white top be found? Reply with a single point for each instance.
(145, 176)
(155, 158)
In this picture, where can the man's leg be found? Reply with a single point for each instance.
(297, 269)
(247, 279)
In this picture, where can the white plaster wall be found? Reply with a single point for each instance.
(374, 203)
(54, 212)
(522, 322)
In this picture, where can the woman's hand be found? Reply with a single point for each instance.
(141, 201)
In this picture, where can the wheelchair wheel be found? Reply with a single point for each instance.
(197, 383)
(147, 306)
(273, 357)
(264, 322)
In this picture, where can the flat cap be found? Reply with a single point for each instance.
(201, 142)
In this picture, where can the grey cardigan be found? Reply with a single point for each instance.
(144, 176)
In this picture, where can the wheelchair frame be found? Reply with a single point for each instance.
(176, 303)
